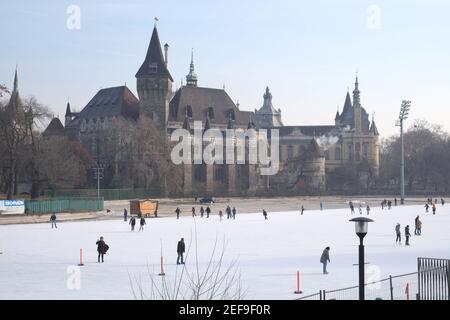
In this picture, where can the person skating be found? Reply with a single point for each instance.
(193, 212)
(53, 220)
(442, 201)
(395, 201)
(352, 208)
(433, 207)
(132, 222)
(265, 214)
(303, 209)
(125, 214)
(398, 233)
(419, 227)
(102, 248)
(360, 208)
(228, 211)
(416, 225)
(325, 258)
(220, 215)
(407, 235)
(234, 213)
(321, 205)
(208, 211)
(427, 206)
(382, 205)
(202, 211)
(389, 204)
(141, 224)
(177, 211)
(368, 209)
(180, 251)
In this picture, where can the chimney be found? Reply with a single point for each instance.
(166, 50)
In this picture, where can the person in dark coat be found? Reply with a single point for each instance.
(325, 258)
(433, 207)
(265, 214)
(302, 209)
(208, 211)
(234, 213)
(178, 212)
(427, 206)
(125, 214)
(53, 220)
(228, 211)
(102, 248)
(193, 212)
(132, 222)
(389, 204)
(398, 233)
(202, 211)
(368, 209)
(442, 201)
(180, 251)
(382, 205)
(407, 235)
(419, 227)
(142, 223)
(220, 215)
(352, 208)
(416, 229)
(395, 201)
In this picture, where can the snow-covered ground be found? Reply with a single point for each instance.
(36, 259)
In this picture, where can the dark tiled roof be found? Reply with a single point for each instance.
(203, 101)
(346, 117)
(110, 102)
(54, 128)
(306, 130)
(154, 55)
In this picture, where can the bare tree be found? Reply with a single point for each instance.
(215, 281)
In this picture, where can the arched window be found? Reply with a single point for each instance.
(337, 154)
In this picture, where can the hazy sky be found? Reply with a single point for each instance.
(307, 52)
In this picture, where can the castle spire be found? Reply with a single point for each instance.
(154, 63)
(356, 94)
(16, 81)
(191, 78)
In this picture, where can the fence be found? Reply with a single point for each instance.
(433, 279)
(63, 205)
(392, 288)
(107, 194)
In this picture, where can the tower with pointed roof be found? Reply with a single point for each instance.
(357, 106)
(15, 104)
(267, 115)
(191, 78)
(154, 83)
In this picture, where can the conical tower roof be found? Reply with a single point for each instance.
(154, 58)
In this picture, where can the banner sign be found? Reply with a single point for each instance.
(12, 206)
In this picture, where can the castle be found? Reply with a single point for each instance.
(307, 153)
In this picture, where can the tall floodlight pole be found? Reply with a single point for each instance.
(404, 111)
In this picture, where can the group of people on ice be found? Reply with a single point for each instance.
(231, 212)
(352, 208)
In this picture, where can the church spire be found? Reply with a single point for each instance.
(191, 78)
(356, 94)
(16, 81)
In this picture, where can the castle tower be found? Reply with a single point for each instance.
(154, 82)
(191, 78)
(357, 106)
(68, 116)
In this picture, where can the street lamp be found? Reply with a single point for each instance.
(361, 227)
(404, 110)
